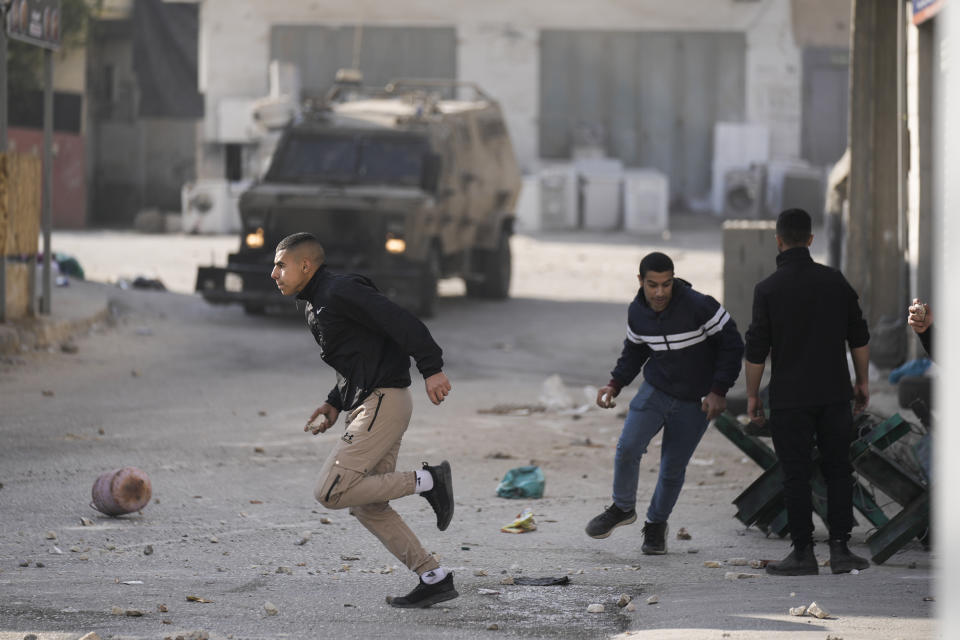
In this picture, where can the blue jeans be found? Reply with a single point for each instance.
(683, 425)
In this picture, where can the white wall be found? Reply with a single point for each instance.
(499, 47)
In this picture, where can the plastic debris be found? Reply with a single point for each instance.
(522, 482)
(524, 523)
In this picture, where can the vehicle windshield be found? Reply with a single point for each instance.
(349, 159)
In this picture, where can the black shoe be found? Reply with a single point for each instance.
(604, 524)
(441, 496)
(842, 560)
(654, 538)
(800, 562)
(424, 595)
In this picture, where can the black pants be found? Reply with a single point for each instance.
(795, 431)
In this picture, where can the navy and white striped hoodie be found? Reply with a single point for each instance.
(690, 348)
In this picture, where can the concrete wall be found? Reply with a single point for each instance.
(498, 47)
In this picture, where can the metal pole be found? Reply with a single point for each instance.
(47, 175)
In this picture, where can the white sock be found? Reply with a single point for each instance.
(434, 576)
(424, 482)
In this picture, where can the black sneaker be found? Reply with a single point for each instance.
(424, 595)
(800, 562)
(604, 524)
(654, 538)
(842, 560)
(441, 496)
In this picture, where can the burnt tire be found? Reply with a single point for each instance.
(427, 285)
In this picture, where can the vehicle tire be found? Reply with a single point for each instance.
(253, 309)
(497, 267)
(427, 286)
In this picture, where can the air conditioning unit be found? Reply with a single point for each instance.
(743, 193)
(646, 193)
(805, 188)
(211, 206)
(558, 197)
(601, 181)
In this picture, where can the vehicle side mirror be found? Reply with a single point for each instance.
(430, 173)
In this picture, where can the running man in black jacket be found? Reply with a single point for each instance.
(805, 316)
(690, 350)
(369, 340)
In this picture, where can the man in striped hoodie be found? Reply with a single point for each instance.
(690, 351)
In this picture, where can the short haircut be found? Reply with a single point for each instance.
(657, 262)
(303, 240)
(794, 227)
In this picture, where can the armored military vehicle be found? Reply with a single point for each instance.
(403, 184)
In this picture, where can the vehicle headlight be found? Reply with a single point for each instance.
(255, 239)
(395, 245)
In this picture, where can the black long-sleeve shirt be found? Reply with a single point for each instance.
(805, 315)
(365, 337)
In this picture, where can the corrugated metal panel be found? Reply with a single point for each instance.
(385, 52)
(650, 99)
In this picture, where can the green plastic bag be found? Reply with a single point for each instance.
(522, 482)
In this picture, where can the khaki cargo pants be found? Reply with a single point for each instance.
(360, 473)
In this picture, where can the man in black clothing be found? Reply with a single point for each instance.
(805, 315)
(369, 340)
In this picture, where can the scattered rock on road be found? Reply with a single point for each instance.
(596, 608)
(683, 534)
(624, 600)
(654, 599)
(270, 608)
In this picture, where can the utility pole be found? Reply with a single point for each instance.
(874, 255)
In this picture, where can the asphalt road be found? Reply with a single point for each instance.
(210, 403)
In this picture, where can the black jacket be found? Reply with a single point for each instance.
(365, 337)
(805, 314)
(690, 348)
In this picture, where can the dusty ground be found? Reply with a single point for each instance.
(210, 403)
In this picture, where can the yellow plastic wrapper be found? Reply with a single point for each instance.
(523, 524)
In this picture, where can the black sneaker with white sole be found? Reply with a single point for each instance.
(441, 496)
(424, 595)
(604, 524)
